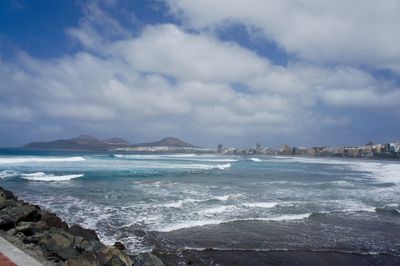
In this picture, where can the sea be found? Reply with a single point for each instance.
(226, 202)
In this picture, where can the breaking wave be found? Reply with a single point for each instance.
(32, 159)
(181, 157)
(260, 204)
(7, 173)
(197, 223)
(40, 176)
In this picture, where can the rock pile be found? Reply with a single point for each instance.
(60, 243)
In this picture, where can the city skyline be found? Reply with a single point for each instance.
(210, 72)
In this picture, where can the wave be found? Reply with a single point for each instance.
(285, 217)
(215, 210)
(198, 166)
(227, 197)
(386, 172)
(260, 204)
(197, 223)
(32, 159)
(183, 157)
(40, 176)
(179, 203)
(255, 159)
(380, 171)
(7, 174)
(189, 224)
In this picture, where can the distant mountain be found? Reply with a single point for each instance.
(90, 143)
(83, 142)
(169, 142)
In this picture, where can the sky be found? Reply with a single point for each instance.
(231, 72)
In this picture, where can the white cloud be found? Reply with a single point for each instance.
(355, 32)
(168, 81)
(166, 49)
(365, 98)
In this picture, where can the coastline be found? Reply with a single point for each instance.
(51, 241)
(44, 236)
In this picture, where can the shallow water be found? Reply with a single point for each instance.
(122, 196)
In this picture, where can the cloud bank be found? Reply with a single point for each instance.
(183, 80)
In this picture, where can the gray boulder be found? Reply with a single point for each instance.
(147, 259)
(52, 220)
(112, 256)
(85, 259)
(13, 214)
(87, 234)
(31, 228)
(57, 242)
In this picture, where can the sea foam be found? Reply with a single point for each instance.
(260, 204)
(8, 173)
(197, 223)
(40, 176)
(34, 159)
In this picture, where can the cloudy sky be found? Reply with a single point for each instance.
(302, 72)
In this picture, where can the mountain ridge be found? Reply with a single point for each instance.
(91, 143)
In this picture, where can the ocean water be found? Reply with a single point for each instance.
(226, 202)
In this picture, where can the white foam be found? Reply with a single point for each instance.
(286, 217)
(184, 157)
(179, 203)
(193, 166)
(342, 183)
(255, 159)
(215, 210)
(380, 171)
(189, 224)
(196, 223)
(260, 204)
(176, 166)
(388, 172)
(34, 159)
(8, 173)
(40, 176)
(226, 197)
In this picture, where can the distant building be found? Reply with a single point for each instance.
(258, 147)
(286, 150)
(394, 148)
(220, 148)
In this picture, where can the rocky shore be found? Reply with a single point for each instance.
(47, 238)
(51, 241)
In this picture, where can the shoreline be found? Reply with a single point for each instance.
(51, 241)
(48, 239)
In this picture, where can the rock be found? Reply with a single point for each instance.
(87, 234)
(58, 242)
(11, 215)
(147, 259)
(85, 259)
(91, 246)
(12, 231)
(34, 239)
(52, 220)
(119, 246)
(6, 198)
(31, 228)
(6, 194)
(113, 257)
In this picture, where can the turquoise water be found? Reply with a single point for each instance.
(119, 194)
